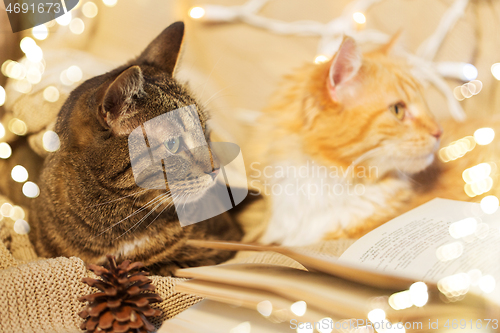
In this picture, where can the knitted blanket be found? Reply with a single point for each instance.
(41, 295)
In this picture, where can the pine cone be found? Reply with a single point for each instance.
(122, 305)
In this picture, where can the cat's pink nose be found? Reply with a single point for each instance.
(437, 133)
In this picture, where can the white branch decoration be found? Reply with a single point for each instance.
(332, 32)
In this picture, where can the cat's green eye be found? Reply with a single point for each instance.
(173, 145)
(398, 110)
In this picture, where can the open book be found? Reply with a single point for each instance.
(435, 267)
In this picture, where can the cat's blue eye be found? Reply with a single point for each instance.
(398, 110)
(173, 144)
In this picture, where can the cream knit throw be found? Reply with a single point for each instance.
(40, 295)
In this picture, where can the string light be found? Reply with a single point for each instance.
(21, 227)
(74, 74)
(463, 228)
(65, 19)
(31, 190)
(489, 204)
(5, 150)
(359, 18)
(487, 284)
(467, 90)
(320, 59)
(197, 12)
(77, 26)
(40, 32)
(18, 127)
(90, 9)
(19, 174)
(51, 141)
(110, 3)
(2, 131)
(376, 316)
(265, 308)
(495, 70)
(457, 149)
(299, 308)
(484, 136)
(2, 97)
(51, 94)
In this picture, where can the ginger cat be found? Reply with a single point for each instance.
(349, 144)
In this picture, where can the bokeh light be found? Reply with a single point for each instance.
(31, 190)
(320, 59)
(18, 127)
(489, 204)
(74, 74)
(21, 227)
(19, 174)
(359, 18)
(5, 150)
(265, 308)
(51, 142)
(90, 9)
(3, 96)
(77, 26)
(51, 94)
(110, 3)
(197, 12)
(495, 70)
(65, 19)
(40, 32)
(299, 308)
(484, 136)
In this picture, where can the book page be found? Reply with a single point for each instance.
(439, 239)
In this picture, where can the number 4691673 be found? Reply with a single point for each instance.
(24, 8)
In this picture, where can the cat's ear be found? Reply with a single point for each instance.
(163, 52)
(344, 67)
(118, 101)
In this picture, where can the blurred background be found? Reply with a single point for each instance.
(234, 55)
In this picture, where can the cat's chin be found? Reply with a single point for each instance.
(418, 164)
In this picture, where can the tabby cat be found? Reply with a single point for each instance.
(342, 146)
(90, 204)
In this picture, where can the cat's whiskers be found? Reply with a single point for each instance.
(150, 203)
(138, 223)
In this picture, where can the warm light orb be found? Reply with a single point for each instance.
(35, 54)
(64, 78)
(2, 131)
(40, 32)
(28, 44)
(74, 74)
(90, 9)
(244, 327)
(51, 142)
(489, 204)
(77, 26)
(463, 228)
(110, 3)
(495, 70)
(418, 294)
(51, 94)
(359, 18)
(376, 315)
(21, 227)
(197, 12)
(31, 190)
(265, 308)
(487, 283)
(450, 251)
(6, 209)
(470, 72)
(299, 308)
(65, 19)
(484, 136)
(19, 174)
(320, 59)
(5, 150)
(18, 127)
(3, 96)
